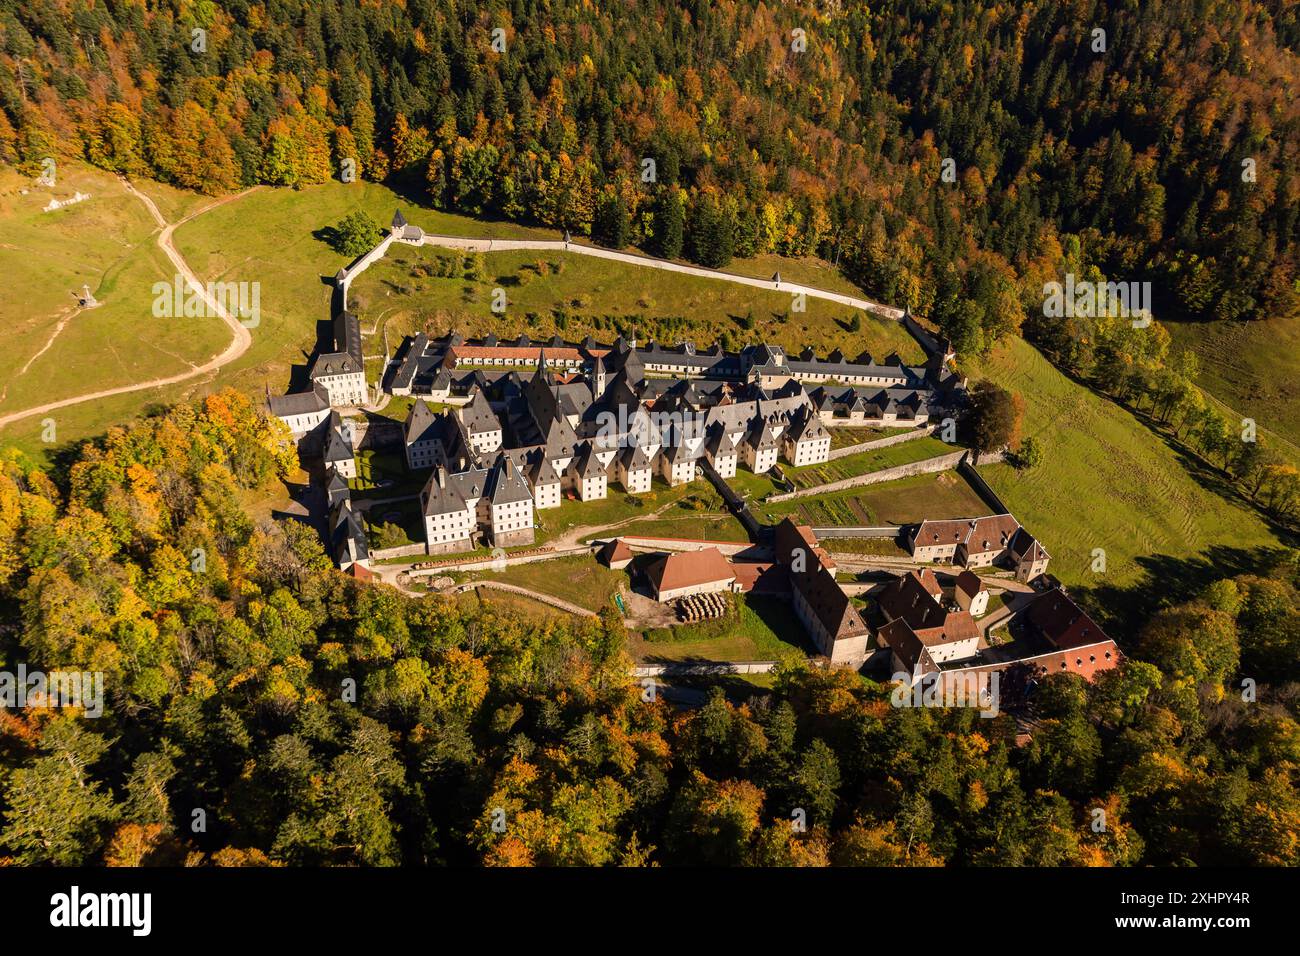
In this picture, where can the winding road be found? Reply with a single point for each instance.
(239, 343)
(650, 262)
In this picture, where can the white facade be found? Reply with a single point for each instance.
(976, 604)
(811, 451)
(348, 388)
(512, 516)
(677, 472)
(635, 481)
(759, 460)
(547, 495)
(346, 467)
(592, 488)
(446, 529)
(306, 422)
(424, 454)
(953, 650)
(486, 442)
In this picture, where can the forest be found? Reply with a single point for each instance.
(262, 708)
(942, 154)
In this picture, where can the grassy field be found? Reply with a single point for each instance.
(1106, 481)
(877, 547)
(397, 293)
(619, 506)
(579, 580)
(1254, 367)
(878, 459)
(383, 474)
(505, 600)
(756, 487)
(680, 524)
(842, 437)
(942, 495)
(395, 524)
(106, 242)
(762, 628)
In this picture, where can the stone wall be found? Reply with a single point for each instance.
(939, 463)
(402, 551)
(881, 442)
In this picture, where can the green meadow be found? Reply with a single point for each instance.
(1253, 367)
(1106, 481)
(106, 242)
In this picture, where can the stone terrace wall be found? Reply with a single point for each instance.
(928, 466)
(881, 442)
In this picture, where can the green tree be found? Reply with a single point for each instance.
(995, 415)
(356, 235)
(56, 811)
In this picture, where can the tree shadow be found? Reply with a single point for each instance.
(1169, 580)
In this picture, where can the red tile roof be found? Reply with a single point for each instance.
(686, 569)
(902, 640)
(760, 576)
(790, 536)
(616, 551)
(969, 583)
(829, 602)
(916, 598)
(1063, 622)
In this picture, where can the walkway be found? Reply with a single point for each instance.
(535, 595)
(650, 262)
(240, 341)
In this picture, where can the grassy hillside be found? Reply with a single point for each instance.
(273, 236)
(1253, 367)
(1106, 481)
(398, 293)
(55, 350)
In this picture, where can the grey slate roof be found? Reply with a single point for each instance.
(807, 426)
(419, 420)
(447, 492)
(587, 465)
(478, 416)
(542, 472)
(680, 453)
(337, 445)
(406, 371)
(333, 363)
(761, 435)
(632, 458)
(505, 484)
(347, 336)
(347, 535)
(720, 442)
(299, 403)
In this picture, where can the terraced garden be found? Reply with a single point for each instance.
(877, 459)
(942, 495)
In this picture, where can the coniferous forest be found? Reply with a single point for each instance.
(1169, 157)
